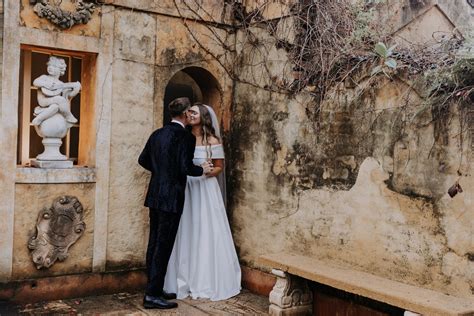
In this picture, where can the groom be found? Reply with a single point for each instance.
(168, 154)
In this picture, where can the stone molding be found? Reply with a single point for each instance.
(290, 295)
(38, 175)
(8, 132)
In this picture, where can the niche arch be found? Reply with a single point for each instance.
(199, 85)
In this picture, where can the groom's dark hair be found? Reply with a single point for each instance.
(178, 106)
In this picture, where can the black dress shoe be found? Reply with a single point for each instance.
(158, 302)
(168, 296)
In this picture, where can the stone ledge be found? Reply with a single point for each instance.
(409, 297)
(90, 284)
(70, 286)
(39, 175)
(59, 40)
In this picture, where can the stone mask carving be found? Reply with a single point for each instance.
(57, 228)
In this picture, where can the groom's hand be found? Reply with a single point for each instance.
(207, 167)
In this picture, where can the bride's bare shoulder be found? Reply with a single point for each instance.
(213, 141)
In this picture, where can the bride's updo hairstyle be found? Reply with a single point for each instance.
(206, 125)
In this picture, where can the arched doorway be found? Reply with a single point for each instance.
(196, 83)
(199, 85)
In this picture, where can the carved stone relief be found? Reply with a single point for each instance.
(51, 10)
(57, 228)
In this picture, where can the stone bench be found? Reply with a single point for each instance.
(291, 294)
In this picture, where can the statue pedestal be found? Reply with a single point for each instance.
(51, 149)
(51, 157)
(52, 164)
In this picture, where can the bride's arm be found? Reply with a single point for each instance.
(218, 165)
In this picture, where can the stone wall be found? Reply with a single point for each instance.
(359, 180)
(349, 192)
(351, 181)
(26, 215)
(137, 47)
(145, 59)
(1, 45)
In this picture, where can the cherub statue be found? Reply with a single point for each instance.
(54, 95)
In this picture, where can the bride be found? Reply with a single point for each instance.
(204, 262)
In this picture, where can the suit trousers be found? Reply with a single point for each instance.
(163, 230)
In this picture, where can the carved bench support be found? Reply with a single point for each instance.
(290, 296)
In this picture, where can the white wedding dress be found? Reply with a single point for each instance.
(204, 262)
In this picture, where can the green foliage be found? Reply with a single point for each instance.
(387, 61)
(391, 63)
(382, 50)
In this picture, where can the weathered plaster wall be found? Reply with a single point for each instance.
(1, 46)
(355, 181)
(396, 14)
(132, 121)
(148, 50)
(460, 12)
(282, 201)
(429, 27)
(211, 10)
(140, 46)
(8, 128)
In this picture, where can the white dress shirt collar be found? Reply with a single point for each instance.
(178, 122)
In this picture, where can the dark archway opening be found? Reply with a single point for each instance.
(196, 83)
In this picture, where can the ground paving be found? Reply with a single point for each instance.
(245, 303)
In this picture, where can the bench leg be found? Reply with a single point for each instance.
(290, 296)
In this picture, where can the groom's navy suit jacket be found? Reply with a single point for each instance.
(168, 154)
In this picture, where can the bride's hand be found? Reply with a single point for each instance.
(217, 166)
(207, 167)
(211, 172)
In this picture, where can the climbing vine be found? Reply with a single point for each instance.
(329, 42)
(332, 46)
